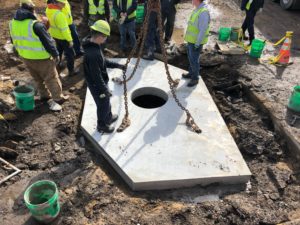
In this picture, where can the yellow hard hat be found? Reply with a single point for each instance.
(62, 1)
(28, 2)
(101, 26)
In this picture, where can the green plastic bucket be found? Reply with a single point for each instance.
(24, 96)
(294, 102)
(257, 48)
(224, 33)
(114, 14)
(234, 35)
(140, 12)
(41, 198)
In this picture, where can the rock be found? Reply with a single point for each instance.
(21, 166)
(280, 174)
(274, 196)
(8, 153)
(11, 144)
(33, 165)
(72, 89)
(57, 147)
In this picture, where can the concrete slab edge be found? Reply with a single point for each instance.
(166, 184)
(107, 157)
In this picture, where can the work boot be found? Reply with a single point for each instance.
(113, 119)
(186, 76)
(192, 83)
(148, 56)
(105, 129)
(54, 106)
(63, 99)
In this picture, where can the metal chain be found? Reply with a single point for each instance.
(190, 122)
(153, 5)
(140, 42)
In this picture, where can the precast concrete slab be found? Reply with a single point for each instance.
(158, 151)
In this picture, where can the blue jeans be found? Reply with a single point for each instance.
(152, 39)
(75, 39)
(63, 47)
(194, 57)
(127, 28)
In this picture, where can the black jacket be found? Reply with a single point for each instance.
(95, 67)
(124, 9)
(39, 29)
(255, 5)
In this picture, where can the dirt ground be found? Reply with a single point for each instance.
(51, 146)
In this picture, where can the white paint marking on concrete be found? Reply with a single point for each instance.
(158, 151)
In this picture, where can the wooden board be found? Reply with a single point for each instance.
(230, 48)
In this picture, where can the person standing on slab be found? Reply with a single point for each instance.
(95, 10)
(37, 49)
(196, 36)
(168, 12)
(126, 13)
(251, 7)
(152, 43)
(60, 31)
(96, 76)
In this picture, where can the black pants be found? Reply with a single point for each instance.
(103, 106)
(168, 19)
(152, 39)
(63, 47)
(249, 24)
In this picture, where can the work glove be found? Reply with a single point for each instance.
(106, 94)
(71, 44)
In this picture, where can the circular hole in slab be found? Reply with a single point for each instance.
(149, 97)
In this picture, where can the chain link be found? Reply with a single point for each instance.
(152, 5)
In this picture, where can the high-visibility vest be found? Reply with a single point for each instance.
(67, 11)
(93, 9)
(25, 41)
(249, 4)
(59, 27)
(129, 3)
(192, 31)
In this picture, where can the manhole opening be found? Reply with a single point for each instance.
(149, 97)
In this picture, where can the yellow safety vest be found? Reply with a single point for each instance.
(129, 3)
(192, 31)
(25, 41)
(67, 11)
(93, 9)
(249, 4)
(59, 27)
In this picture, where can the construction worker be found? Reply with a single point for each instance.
(95, 10)
(68, 13)
(251, 7)
(61, 33)
(168, 12)
(37, 49)
(126, 13)
(152, 40)
(196, 36)
(96, 76)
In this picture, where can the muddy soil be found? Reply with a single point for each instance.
(92, 193)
